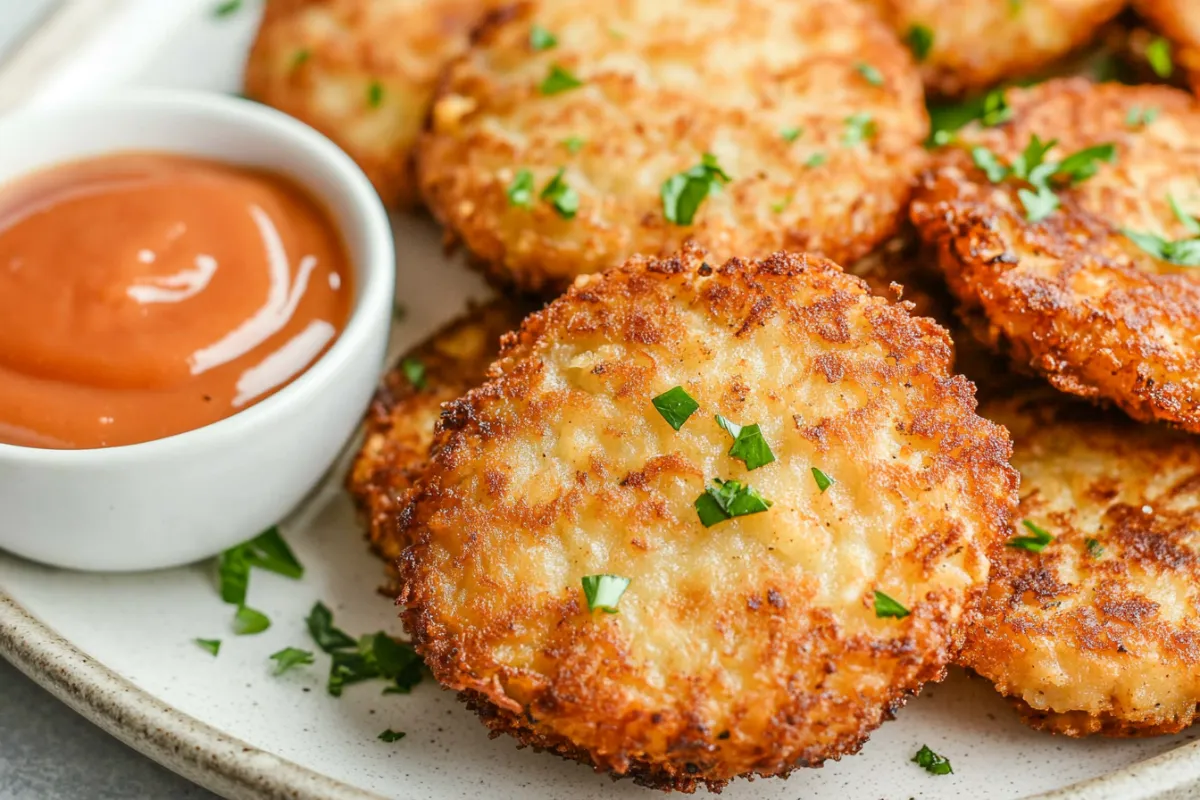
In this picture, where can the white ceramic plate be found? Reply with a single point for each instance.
(119, 648)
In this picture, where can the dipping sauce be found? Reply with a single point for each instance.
(144, 295)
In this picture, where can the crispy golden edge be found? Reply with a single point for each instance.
(700, 756)
(400, 422)
(1026, 590)
(1102, 351)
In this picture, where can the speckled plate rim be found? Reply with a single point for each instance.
(234, 769)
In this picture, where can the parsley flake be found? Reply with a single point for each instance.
(724, 500)
(1038, 205)
(1139, 117)
(815, 160)
(290, 657)
(573, 144)
(1181, 252)
(541, 39)
(1094, 548)
(211, 646)
(302, 55)
(748, 444)
(872, 75)
(604, 591)
(321, 629)
(1189, 222)
(682, 194)
(675, 405)
(390, 736)
(823, 480)
(520, 190)
(227, 8)
(558, 80)
(1158, 56)
(1035, 543)
(779, 207)
(887, 607)
(414, 372)
(375, 94)
(376, 656)
(248, 621)
(931, 762)
(859, 128)
(266, 551)
(920, 41)
(1033, 167)
(996, 109)
(561, 196)
(791, 134)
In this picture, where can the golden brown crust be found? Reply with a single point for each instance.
(750, 647)
(979, 43)
(664, 84)
(1089, 640)
(1179, 21)
(317, 60)
(1071, 297)
(400, 422)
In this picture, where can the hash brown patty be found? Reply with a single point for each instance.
(406, 407)
(1072, 297)
(750, 647)
(1099, 632)
(965, 46)
(810, 113)
(362, 72)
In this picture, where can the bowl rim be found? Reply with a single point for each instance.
(374, 272)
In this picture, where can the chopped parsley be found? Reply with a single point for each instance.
(1034, 543)
(375, 656)
(1181, 252)
(561, 196)
(321, 629)
(375, 94)
(290, 657)
(859, 128)
(541, 39)
(233, 575)
(675, 405)
(946, 118)
(931, 762)
(823, 480)
(870, 74)
(573, 144)
(682, 194)
(920, 41)
(211, 646)
(1032, 167)
(390, 736)
(269, 551)
(791, 134)
(724, 500)
(748, 444)
(1139, 117)
(1094, 548)
(779, 207)
(302, 55)
(1158, 56)
(604, 591)
(520, 190)
(248, 622)
(227, 8)
(996, 109)
(816, 160)
(1189, 222)
(414, 372)
(887, 607)
(558, 80)
(1038, 204)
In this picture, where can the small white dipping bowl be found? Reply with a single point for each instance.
(186, 497)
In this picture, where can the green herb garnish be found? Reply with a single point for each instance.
(1141, 117)
(1038, 204)
(675, 405)
(376, 656)
(872, 75)
(859, 128)
(920, 41)
(302, 55)
(682, 194)
(1158, 56)
(779, 207)
(1033, 167)
(823, 480)
(724, 500)
(1035, 543)
(1094, 548)
(1189, 222)
(561, 196)
(815, 160)
(320, 627)
(541, 39)
(558, 80)
(414, 372)
(996, 109)
(390, 736)
(931, 762)
(573, 144)
(375, 94)
(212, 646)
(1182, 252)
(290, 657)
(247, 621)
(520, 190)
(791, 134)
(748, 444)
(226, 8)
(887, 607)
(233, 574)
(269, 551)
(604, 591)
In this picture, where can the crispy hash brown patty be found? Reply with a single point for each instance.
(974, 44)
(1179, 21)
(1100, 632)
(400, 422)
(750, 647)
(1071, 296)
(819, 152)
(362, 72)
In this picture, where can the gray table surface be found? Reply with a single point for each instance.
(47, 751)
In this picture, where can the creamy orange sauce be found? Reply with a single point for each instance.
(144, 295)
